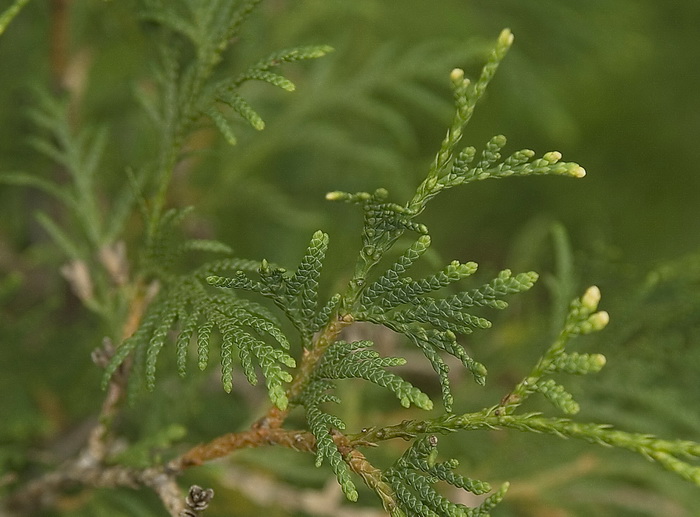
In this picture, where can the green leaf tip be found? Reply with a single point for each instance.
(278, 397)
(558, 396)
(578, 363)
(457, 76)
(591, 298)
(505, 39)
(583, 318)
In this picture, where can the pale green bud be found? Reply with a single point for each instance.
(505, 39)
(457, 75)
(591, 298)
(599, 320)
(552, 157)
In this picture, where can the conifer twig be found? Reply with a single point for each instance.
(665, 452)
(257, 437)
(275, 417)
(41, 492)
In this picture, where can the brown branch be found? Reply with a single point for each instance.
(42, 492)
(302, 441)
(257, 437)
(361, 466)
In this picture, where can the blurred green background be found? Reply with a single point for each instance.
(614, 85)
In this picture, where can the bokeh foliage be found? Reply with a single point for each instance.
(611, 84)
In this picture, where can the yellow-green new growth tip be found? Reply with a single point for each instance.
(591, 298)
(505, 38)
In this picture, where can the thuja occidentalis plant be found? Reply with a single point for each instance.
(153, 309)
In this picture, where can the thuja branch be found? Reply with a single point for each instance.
(42, 491)
(583, 318)
(253, 438)
(310, 357)
(298, 440)
(666, 452)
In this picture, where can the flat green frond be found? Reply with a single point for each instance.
(222, 124)
(117, 359)
(384, 223)
(356, 361)
(310, 267)
(324, 315)
(413, 475)
(492, 152)
(240, 281)
(432, 322)
(225, 264)
(484, 509)
(557, 395)
(269, 359)
(420, 338)
(241, 106)
(410, 291)
(265, 76)
(243, 314)
(244, 326)
(489, 294)
(254, 309)
(451, 321)
(187, 330)
(577, 363)
(520, 163)
(150, 321)
(290, 56)
(296, 294)
(321, 425)
(203, 336)
(303, 285)
(233, 322)
(466, 98)
(583, 317)
(246, 358)
(673, 464)
(389, 280)
(167, 316)
(227, 362)
(671, 454)
(79, 151)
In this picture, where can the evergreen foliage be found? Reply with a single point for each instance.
(156, 304)
(413, 473)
